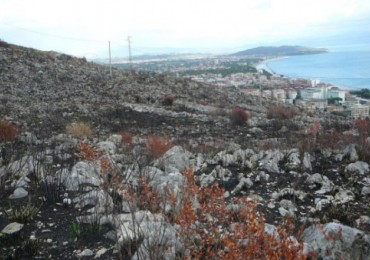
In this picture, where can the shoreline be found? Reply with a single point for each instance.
(264, 65)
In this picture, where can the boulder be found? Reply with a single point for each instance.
(243, 183)
(294, 162)
(152, 229)
(107, 146)
(175, 158)
(82, 173)
(19, 193)
(307, 162)
(325, 185)
(359, 167)
(11, 228)
(270, 161)
(343, 196)
(101, 200)
(337, 241)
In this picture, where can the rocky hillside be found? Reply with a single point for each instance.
(137, 165)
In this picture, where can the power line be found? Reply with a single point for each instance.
(54, 35)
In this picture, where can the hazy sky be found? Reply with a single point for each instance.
(84, 28)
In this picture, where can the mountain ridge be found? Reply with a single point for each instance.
(283, 50)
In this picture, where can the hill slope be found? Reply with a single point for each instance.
(280, 51)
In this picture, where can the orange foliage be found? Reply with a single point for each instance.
(8, 131)
(87, 152)
(280, 112)
(157, 145)
(126, 138)
(209, 234)
(143, 197)
(239, 116)
(168, 100)
(363, 126)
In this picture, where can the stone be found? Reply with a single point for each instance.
(336, 241)
(350, 152)
(144, 225)
(343, 196)
(100, 252)
(12, 228)
(23, 181)
(326, 186)
(100, 199)
(243, 183)
(358, 167)
(206, 180)
(82, 172)
(85, 252)
(289, 191)
(270, 161)
(365, 191)
(107, 147)
(19, 193)
(321, 203)
(294, 162)
(175, 158)
(26, 166)
(307, 162)
(221, 173)
(363, 221)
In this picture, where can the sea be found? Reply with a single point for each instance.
(348, 69)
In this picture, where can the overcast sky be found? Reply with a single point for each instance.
(84, 27)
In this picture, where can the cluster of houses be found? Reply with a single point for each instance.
(308, 94)
(321, 97)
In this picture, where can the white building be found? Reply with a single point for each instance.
(336, 94)
(278, 94)
(312, 93)
(359, 111)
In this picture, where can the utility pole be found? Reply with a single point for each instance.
(129, 51)
(260, 95)
(110, 60)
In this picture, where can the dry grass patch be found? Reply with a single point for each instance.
(79, 130)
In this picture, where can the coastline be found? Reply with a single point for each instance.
(264, 65)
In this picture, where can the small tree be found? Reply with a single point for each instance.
(239, 116)
(168, 100)
(8, 131)
(157, 145)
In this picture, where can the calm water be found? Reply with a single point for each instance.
(348, 70)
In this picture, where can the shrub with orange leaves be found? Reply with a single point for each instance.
(215, 231)
(8, 131)
(87, 152)
(126, 137)
(239, 116)
(168, 100)
(362, 125)
(158, 145)
(281, 112)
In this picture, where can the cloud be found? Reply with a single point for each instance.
(203, 23)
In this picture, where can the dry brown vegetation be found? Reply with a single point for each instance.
(281, 112)
(168, 100)
(158, 145)
(239, 116)
(79, 130)
(8, 131)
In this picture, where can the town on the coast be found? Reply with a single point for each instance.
(253, 77)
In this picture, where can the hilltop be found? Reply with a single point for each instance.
(139, 165)
(280, 51)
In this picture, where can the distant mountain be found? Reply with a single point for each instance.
(280, 51)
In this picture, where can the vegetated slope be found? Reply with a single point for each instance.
(49, 89)
(90, 193)
(280, 51)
